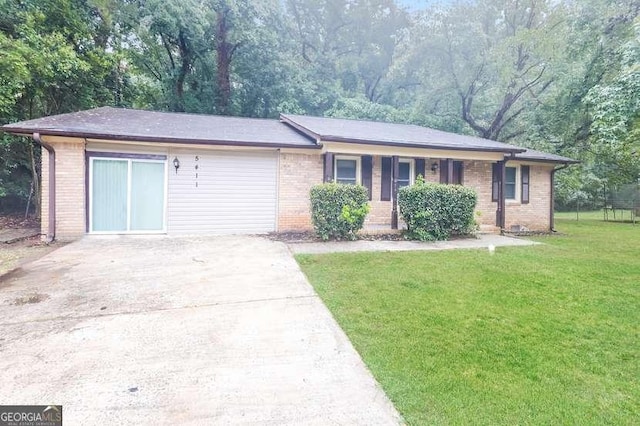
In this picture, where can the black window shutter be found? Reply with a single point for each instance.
(524, 170)
(328, 167)
(444, 171)
(495, 181)
(420, 164)
(324, 168)
(458, 172)
(385, 184)
(367, 173)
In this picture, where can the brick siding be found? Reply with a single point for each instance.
(478, 175)
(380, 212)
(297, 174)
(70, 190)
(535, 214)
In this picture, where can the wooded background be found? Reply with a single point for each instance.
(560, 76)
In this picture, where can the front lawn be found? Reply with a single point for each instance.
(546, 334)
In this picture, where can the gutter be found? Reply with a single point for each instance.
(510, 152)
(552, 198)
(159, 139)
(51, 235)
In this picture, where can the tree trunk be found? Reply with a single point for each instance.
(224, 51)
(35, 177)
(185, 68)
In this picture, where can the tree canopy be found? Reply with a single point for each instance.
(559, 76)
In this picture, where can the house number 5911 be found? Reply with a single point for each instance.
(197, 158)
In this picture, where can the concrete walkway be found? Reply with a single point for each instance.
(482, 242)
(160, 330)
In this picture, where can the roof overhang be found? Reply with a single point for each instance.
(329, 139)
(567, 161)
(408, 151)
(153, 139)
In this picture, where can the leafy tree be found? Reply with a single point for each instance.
(170, 37)
(363, 109)
(496, 57)
(351, 42)
(615, 112)
(557, 76)
(54, 58)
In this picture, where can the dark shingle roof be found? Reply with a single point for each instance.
(130, 124)
(374, 132)
(137, 125)
(534, 155)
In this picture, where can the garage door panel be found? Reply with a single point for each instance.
(222, 193)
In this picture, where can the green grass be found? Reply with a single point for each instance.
(598, 215)
(547, 334)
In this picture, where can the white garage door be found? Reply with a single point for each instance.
(222, 192)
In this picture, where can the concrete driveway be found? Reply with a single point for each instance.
(161, 330)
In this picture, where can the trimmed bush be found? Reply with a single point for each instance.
(435, 211)
(338, 210)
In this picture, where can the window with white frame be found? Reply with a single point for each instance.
(127, 194)
(511, 183)
(405, 173)
(347, 170)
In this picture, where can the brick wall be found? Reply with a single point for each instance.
(477, 175)
(70, 190)
(429, 176)
(298, 173)
(380, 212)
(535, 214)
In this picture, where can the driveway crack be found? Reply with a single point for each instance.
(172, 308)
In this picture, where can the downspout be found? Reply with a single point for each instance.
(552, 197)
(51, 234)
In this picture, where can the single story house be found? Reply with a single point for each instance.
(119, 171)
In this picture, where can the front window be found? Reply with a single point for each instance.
(510, 183)
(404, 174)
(346, 171)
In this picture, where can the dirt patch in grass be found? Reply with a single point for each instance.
(310, 237)
(294, 237)
(23, 251)
(18, 221)
(19, 253)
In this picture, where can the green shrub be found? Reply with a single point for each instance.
(338, 210)
(435, 212)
